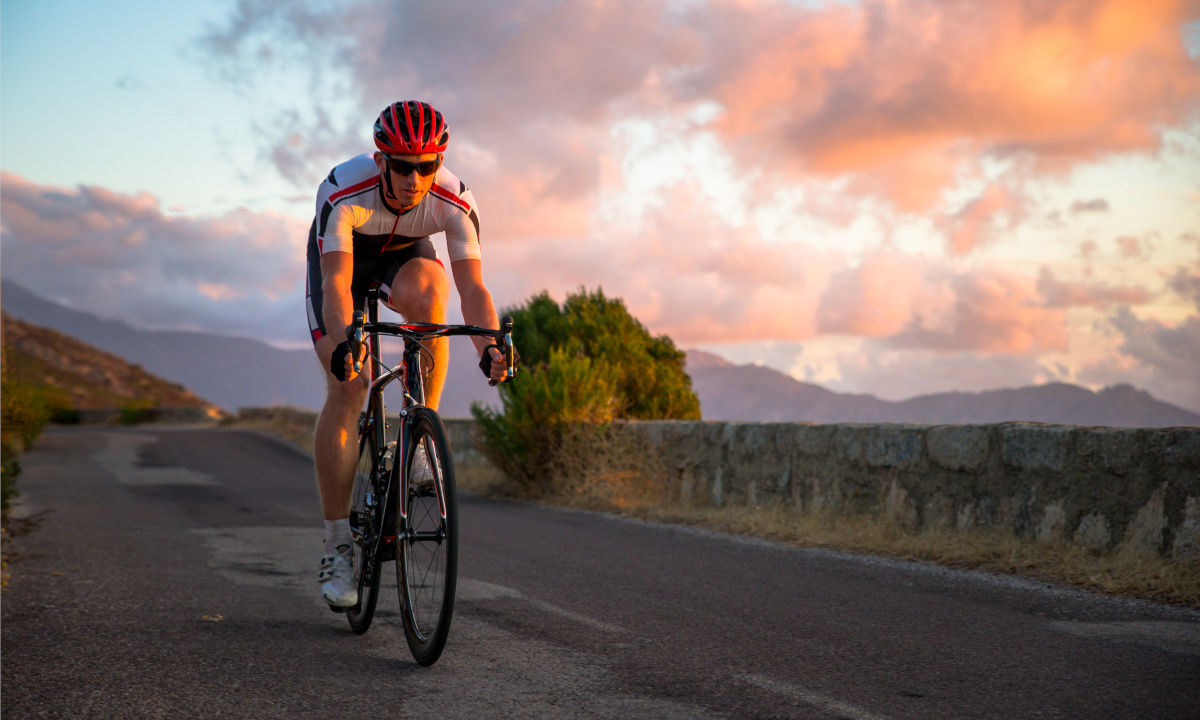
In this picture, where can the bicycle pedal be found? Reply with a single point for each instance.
(338, 610)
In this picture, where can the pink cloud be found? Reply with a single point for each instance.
(902, 99)
(978, 219)
(1071, 80)
(1129, 246)
(1061, 294)
(120, 256)
(914, 304)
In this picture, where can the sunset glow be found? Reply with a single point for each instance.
(885, 196)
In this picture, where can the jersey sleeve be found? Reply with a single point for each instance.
(462, 231)
(335, 229)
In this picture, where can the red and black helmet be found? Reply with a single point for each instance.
(411, 127)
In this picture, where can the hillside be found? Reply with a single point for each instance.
(232, 372)
(89, 377)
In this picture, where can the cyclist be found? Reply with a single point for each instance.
(374, 216)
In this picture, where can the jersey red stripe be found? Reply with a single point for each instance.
(445, 194)
(353, 189)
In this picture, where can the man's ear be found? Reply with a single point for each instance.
(379, 161)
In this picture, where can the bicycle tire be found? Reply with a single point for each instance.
(365, 525)
(427, 552)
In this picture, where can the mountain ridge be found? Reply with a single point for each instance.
(756, 393)
(241, 372)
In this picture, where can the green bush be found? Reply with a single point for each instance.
(9, 470)
(583, 364)
(25, 408)
(137, 411)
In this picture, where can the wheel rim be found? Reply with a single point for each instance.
(425, 548)
(360, 526)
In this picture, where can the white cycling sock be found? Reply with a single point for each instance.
(337, 536)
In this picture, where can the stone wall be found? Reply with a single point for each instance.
(1123, 489)
(1101, 488)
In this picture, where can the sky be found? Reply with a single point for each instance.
(894, 197)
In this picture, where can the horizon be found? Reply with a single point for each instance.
(721, 361)
(886, 198)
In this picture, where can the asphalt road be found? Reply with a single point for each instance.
(170, 573)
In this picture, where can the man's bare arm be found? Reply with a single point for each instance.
(477, 307)
(337, 274)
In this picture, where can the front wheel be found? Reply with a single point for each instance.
(427, 552)
(364, 526)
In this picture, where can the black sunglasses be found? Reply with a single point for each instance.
(424, 169)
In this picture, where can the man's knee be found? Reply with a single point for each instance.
(352, 393)
(420, 291)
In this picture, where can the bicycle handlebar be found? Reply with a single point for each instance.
(503, 337)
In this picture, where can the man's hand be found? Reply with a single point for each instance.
(492, 363)
(341, 363)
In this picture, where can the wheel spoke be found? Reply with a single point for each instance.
(428, 559)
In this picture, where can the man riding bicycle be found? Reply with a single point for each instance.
(374, 216)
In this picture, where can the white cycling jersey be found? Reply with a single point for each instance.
(351, 213)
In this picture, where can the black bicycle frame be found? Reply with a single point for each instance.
(409, 373)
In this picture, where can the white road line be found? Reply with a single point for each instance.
(470, 590)
(808, 697)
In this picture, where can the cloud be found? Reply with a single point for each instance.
(891, 373)
(979, 219)
(1129, 246)
(1094, 205)
(904, 101)
(1161, 357)
(1186, 282)
(120, 256)
(1058, 293)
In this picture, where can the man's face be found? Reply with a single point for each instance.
(410, 187)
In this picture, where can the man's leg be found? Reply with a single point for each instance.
(335, 455)
(335, 441)
(419, 292)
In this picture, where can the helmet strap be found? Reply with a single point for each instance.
(387, 180)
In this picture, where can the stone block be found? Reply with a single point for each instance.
(849, 443)
(1113, 450)
(812, 440)
(894, 446)
(938, 512)
(1035, 447)
(1144, 533)
(1093, 532)
(958, 447)
(899, 509)
(1051, 528)
(1186, 547)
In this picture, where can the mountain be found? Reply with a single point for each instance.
(242, 372)
(756, 393)
(233, 372)
(88, 377)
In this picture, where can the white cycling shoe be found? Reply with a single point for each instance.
(337, 579)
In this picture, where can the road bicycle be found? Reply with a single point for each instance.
(404, 506)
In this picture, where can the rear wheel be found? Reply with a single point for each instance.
(364, 525)
(427, 554)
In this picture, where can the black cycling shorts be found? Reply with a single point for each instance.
(371, 267)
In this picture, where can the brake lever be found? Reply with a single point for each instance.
(510, 370)
(354, 334)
